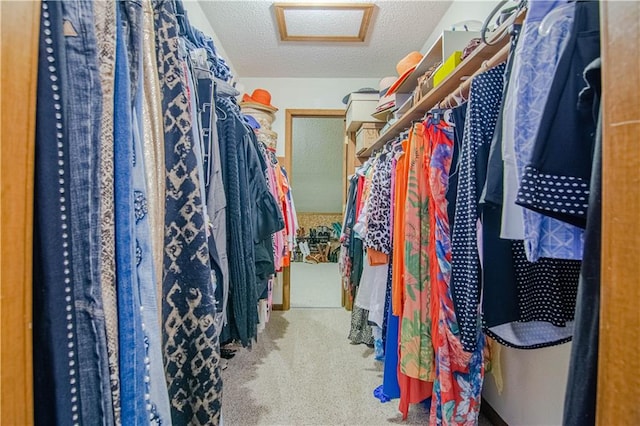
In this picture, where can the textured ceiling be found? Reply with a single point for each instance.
(248, 32)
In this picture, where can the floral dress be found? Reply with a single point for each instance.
(458, 374)
(416, 349)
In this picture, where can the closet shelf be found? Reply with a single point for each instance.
(464, 70)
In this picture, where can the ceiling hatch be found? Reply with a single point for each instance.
(333, 22)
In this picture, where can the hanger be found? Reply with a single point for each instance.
(184, 26)
(561, 12)
(483, 32)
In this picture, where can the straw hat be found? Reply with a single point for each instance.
(404, 68)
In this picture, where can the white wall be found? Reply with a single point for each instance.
(198, 19)
(461, 10)
(534, 386)
(304, 93)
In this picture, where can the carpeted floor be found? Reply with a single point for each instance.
(315, 285)
(304, 371)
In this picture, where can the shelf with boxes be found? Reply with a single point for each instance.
(359, 109)
(442, 82)
(359, 119)
(446, 45)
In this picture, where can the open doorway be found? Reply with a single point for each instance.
(314, 157)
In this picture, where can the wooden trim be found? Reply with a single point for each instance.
(367, 12)
(347, 303)
(288, 146)
(277, 307)
(20, 38)
(286, 288)
(491, 414)
(290, 114)
(617, 401)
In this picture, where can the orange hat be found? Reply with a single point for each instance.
(404, 68)
(260, 98)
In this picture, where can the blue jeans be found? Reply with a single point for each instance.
(54, 347)
(131, 337)
(83, 112)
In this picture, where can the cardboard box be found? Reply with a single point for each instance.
(366, 135)
(447, 67)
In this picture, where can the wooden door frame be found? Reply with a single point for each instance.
(290, 114)
(620, 269)
(20, 41)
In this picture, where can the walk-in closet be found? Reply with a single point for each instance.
(220, 212)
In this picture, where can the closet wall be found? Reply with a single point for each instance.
(199, 20)
(459, 12)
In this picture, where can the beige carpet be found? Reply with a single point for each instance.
(315, 285)
(304, 371)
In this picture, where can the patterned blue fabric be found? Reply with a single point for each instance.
(485, 99)
(190, 339)
(535, 62)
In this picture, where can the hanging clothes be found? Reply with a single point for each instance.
(351, 265)
(56, 347)
(535, 62)
(105, 29)
(550, 185)
(525, 304)
(83, 108)
(187, 289)
(458, 374)
(400, 197)
(582, 384)
(130, 333)
(390, 385)
(416, 370)
(153, 144)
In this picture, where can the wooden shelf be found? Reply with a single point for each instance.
(446, 44)
(464, 70)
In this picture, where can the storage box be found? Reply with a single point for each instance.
(447, 67)
(359, 110)
(366, 135)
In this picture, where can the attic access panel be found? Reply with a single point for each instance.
(332, 22)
